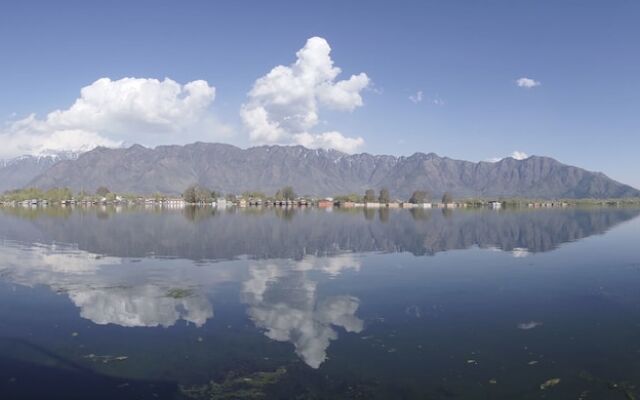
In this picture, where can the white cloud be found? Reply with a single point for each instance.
(109, 113)
(419, 97)
(518, 155)
(329, 140)
(37, 137)
(416, 98)
(283, 106)
(527, 83)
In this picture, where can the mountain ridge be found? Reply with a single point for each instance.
(16, 172)
(230, 169)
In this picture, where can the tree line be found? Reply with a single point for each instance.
(196, 194)
(370, 196)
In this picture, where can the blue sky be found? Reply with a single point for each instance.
(465, 57)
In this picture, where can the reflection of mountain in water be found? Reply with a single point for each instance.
(261, 234)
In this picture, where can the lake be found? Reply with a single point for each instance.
(200, 303)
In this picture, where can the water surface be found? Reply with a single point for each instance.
(262, 303)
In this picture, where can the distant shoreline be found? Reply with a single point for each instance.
(177, 203)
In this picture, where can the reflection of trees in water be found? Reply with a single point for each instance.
(102, 214)
(276, 233)
(383, 214)
(286, 213)
(369, 213)
(195, 213)
(420, 214)
(37, 212)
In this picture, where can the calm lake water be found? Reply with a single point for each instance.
(390, 304)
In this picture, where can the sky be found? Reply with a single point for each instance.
(472, 80)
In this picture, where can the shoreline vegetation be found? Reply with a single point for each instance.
(285, 197)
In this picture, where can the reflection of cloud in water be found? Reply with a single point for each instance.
(281, 295)
(54, 258)
(520, 252)
(145, 305)
(525, 326)
(105, 290)
(332, 266)
(285, 302)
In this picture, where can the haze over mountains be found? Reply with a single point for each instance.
(229, 169)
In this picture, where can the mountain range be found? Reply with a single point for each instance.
(229, 169)
(17, 172)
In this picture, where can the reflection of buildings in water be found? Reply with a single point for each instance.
(285, 302)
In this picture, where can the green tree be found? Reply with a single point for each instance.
(24, 194)
(254, 195)
(196, 195)
(103, 191)
(352, 197)
(419, 196)
(384, 196)
(189, 194)
(369, 196)
(58, 194)
(286, 193)
(447, 198)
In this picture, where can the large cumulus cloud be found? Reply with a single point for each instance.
(112, 112)
(283, 106)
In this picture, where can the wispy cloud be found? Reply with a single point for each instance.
(527, 83)
(416, 98)
(419, 97)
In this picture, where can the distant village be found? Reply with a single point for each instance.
(285, 197)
